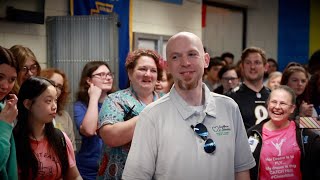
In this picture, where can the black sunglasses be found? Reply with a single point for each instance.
(201, 130)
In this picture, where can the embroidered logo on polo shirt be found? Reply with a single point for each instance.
(221, 130)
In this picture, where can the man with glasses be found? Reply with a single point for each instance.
(190, 133)
(252, 95)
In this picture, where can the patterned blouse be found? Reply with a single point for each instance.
(118, 107)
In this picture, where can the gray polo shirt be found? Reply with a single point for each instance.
(164, 145)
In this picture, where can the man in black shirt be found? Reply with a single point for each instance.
(252, 95)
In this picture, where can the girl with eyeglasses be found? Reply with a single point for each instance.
(8, 113)
(281, 149)
(43, 152)
(28, 64)
(62, 120)
(96, 83)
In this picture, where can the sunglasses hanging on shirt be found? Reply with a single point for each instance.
(202, 131)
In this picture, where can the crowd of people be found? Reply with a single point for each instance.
(183, 116)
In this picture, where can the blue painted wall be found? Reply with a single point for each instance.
(293, 37)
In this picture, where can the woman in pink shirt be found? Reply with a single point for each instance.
(281, 149)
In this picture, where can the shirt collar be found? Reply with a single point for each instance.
(185, 110)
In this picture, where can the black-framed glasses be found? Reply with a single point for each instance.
(229, 78)
(103, 75)
(59, 87)
(202, 131)
(33, 68)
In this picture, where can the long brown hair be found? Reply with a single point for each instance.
(285, 78)
(21, 54)
(89, 68)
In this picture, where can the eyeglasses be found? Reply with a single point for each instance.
(281, 104)
(103, 75)
(33, 68)
(229, 78)
(58, 87)
(201, 130)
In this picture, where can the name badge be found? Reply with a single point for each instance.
(253, 142)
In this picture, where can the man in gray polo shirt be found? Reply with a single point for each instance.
(170, 136)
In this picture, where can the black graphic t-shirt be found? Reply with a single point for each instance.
(252, 104)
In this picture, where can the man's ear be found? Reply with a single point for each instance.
(27, 103)
(206, 60)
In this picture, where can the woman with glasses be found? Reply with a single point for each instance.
(296, 77)
(95, 84)
(120, 111)
(62, 120)
(229, 78)
(28, 64)
(280, 148)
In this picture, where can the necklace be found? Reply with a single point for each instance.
(137, 97)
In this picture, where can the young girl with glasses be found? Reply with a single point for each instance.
(43, 152)
(28, 64)
(96, 83)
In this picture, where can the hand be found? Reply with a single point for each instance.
(94, 91)
(305, 109)
(10, 111)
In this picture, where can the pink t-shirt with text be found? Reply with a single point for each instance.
(49, 168)
(280, 154)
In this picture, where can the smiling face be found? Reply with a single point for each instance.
(43, 108)
(186, 60)
(144, 75)
(8, 76)
(230, 80)
(102, 78)
(253, 67)
(298, 82)
(280, 105)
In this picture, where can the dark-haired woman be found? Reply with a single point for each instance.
(8, 113)
(95, 84)
(43, 152)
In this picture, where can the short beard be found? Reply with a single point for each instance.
(187, 86)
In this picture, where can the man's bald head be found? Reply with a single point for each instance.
(194, 39)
